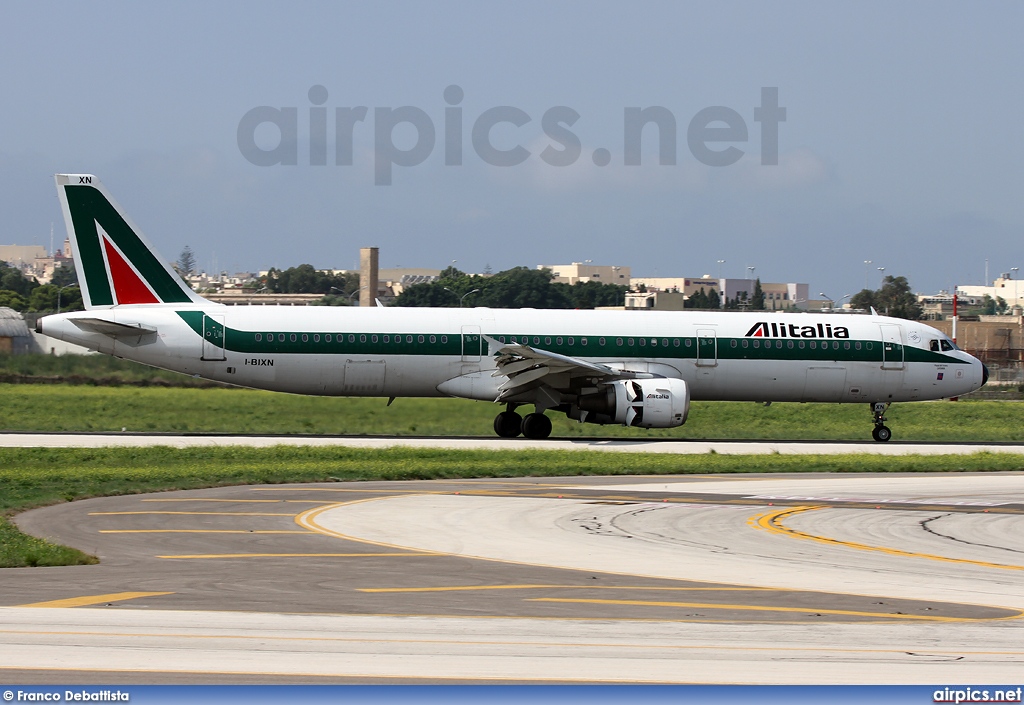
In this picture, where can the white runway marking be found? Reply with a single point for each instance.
(72, 440)
(380, 647)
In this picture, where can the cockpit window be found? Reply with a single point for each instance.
(946, 345)
(934, 345)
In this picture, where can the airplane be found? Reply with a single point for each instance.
(634, 368)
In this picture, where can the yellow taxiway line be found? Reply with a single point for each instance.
(94, 599)
(199, 531)
(772, 522)
(763, 608)
(216, 514)
(301, 555)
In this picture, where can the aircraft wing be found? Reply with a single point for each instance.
(113, 328)
(527, 367)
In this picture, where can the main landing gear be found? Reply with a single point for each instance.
(881, 432)
(509, 424)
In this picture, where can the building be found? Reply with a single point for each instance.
(22, 256)
(688, 286)
(585, 272)
(15, 337)
(655, 300)
(33, 260)
(777, 297)
(1005, 287)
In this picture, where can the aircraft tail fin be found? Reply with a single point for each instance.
(116, 264)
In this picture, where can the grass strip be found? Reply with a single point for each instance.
(64, 408)
(34, 477)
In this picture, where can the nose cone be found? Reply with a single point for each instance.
(984, 374)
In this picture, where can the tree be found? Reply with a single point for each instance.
(11, 299)
(64, 275)
(897, 300)
(186, 263)
(12, 279)
(519, 287)
(864, 299)
(757, 300)
(893, 299)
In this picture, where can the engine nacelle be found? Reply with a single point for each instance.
(646, 403)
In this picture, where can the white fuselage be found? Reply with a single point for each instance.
(421, 352)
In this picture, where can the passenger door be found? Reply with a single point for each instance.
(892, 346)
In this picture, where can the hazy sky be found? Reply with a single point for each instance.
(903, 141)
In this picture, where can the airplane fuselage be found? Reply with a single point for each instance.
(418, 352)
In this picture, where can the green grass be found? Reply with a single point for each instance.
(27, 407)
(102, 370)
(34, 477)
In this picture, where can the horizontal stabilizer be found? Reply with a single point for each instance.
(113, 328)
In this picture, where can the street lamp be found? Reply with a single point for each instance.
(354, 293)
(867, 263)
(751, 271)
(882, 275)
(720, 263)
(1013, 274)
(66, 286)
(831, 301)
(463, 297)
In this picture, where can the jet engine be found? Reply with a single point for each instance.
(647, 403)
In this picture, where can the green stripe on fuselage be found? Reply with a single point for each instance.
(355, 343)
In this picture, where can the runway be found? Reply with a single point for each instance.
(621, 445)
(695, 579)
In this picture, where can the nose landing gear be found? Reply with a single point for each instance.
(881, 432)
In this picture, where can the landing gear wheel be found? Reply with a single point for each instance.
(508, 424)
(536, 426)
(881, 433)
